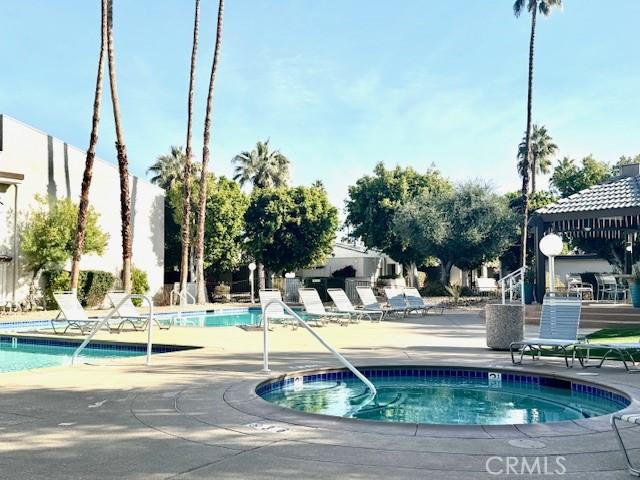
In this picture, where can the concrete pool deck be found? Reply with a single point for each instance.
(191, 414)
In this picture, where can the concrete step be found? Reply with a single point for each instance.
(596, 316)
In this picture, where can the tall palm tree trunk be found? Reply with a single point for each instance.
(534, 167)
(201, 296)
(78, 244)
(123, 166)
(186, 216)
(527, 161)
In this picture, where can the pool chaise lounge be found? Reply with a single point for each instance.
(623, 351)
(633, 418)
(410, 300)
(344, 305)
(417, 303)
(127, 313)
(314, 308)
(276, 312)
(559, 323)
(71, 314)
(370, 302)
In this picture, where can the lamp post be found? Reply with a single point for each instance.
(551, 246)
(252, 267)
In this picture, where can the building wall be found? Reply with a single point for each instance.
(568, 264)
(54, 169)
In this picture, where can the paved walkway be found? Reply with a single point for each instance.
(189, 415)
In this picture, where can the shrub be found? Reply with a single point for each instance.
(93, 285)
(96, 285)
(433, 288)
(346, 272)
(139, 284)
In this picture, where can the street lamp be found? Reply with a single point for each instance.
(551, 246)
(252, 267)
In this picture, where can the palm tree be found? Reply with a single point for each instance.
(201, 296)
(123, 164)
(168, 169)
(533, 6)
(542, 148)
(262, 168)
(185, 230)
(83, 208)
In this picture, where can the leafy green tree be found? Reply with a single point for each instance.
(49, 234)
(569, 178)
(290, 228)
(224, 226)
(465, 227)
(374, 200)
(532, 6)
(261, 167)
(542, 149)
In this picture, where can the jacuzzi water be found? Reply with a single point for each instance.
(463, 397)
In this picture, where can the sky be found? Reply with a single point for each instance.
(336, 85)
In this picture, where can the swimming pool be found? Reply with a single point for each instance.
(26, 353)
(217, 318)
(443, 396)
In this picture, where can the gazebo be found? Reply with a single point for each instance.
(609, 210)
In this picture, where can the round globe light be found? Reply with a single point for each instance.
(551, 245)
(252, 266)
(289, 275)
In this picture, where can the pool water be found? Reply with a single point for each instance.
(26, 357)
(219, 319)
(446, 400)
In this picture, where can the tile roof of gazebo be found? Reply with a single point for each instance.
(609, 210)
(618, 194)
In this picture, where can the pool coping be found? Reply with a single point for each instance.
(243, 396)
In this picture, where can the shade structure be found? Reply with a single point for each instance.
(609, 211)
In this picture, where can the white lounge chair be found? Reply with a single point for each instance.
(559, 322)
(396, 299)
(314, 307)
(370, 302)
(419, 304)
(343, 304)
(632, 418)
(71, 314)
(276, 312)
(127, 313)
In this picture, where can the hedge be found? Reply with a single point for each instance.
(93, 285)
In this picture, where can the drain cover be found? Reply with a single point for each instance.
(266, 427)
(526, 443)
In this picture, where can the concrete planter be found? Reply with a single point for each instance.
(505, 324)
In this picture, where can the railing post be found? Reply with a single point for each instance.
(504, 294)
(522, 273)
(149, 327)
(265, 341)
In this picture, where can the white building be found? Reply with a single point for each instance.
(32, 162)
(368, 264)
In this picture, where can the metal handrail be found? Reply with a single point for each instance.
(344, 361)
(511, 278)
(180, 294)
(109, 316)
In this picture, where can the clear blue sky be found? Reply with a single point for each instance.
(336, 85)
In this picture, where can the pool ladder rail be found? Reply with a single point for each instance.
(100, 323)
(265, 325)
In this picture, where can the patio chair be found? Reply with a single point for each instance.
(72, 313)
(127, 313)
(276, 312)
(419, 304)
(559, 322)
(623, 352)
(314, 308)
(610, 288)
(575, 284)
(633, 418)
(370, 302)
(343, 304)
